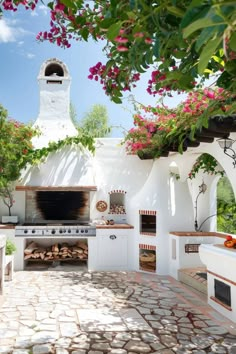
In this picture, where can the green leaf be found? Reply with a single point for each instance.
(116, 99)
(68, 3)
(207, 52)
(113, 30)
(106, 23)
(132, 4)
(156, 48)
(84, 33)
(232, 42)
(201, 23)
(205, 35)
(175, 11)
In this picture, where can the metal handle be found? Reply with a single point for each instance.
(112, 237)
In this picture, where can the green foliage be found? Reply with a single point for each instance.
(95, 122)
(160, 129)
(226, 207)
(206, 163)
(16, 152)
(10, 248)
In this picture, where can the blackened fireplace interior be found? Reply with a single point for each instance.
(50, 206)
(222, 292)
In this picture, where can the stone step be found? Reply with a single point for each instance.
(195, 278)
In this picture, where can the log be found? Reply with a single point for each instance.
(82, 245)
(30, 248)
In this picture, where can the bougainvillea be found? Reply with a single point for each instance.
(158, 128)
(16, 152)
(182, 41)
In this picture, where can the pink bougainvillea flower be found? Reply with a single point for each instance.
(138, 35)
(122, 48)
(120, 39)
(148, 40)
(210, 94)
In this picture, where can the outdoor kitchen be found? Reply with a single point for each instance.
(107, 211)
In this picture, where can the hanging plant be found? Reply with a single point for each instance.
(207, 164)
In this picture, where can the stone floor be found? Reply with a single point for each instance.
(84, 312)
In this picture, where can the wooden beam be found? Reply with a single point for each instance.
(56, 188)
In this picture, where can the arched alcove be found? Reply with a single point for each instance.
(205, 172)
(54, 69)
(226, 206)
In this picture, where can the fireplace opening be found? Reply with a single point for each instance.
(222, 292)
(63, 205)
(148, 224)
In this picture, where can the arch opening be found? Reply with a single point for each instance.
(226, 207)
(54, 69)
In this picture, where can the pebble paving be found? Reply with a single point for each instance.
(127, 313)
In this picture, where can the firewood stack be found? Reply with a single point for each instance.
(78, 251)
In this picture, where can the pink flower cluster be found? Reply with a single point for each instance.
(158, 77)
(10, 4)
(110, 78)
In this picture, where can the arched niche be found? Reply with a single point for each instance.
(180, 202)
(54, 69)
(204, 201)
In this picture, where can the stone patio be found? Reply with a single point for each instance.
(83, 312)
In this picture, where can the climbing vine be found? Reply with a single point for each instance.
(207, 164)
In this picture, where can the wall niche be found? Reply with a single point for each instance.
(117, 202)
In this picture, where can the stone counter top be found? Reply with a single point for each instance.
(197, 234)
(115, 226)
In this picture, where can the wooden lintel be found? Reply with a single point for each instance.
(56, 188)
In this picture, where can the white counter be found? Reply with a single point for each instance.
(221, 265)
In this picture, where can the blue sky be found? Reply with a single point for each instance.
(21, 57)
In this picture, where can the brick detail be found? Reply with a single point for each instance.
(148, 233)
(147, 247)
(223, 278)
(117, 191)
(147, 212)
(213, 298)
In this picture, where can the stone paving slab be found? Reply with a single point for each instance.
(80, 312)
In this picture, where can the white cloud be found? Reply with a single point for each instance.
(44, 9)
(6, 32)
(34, 13)
(9, 32)
(30, 55)
(20, 43)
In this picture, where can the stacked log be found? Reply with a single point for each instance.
(63, 251)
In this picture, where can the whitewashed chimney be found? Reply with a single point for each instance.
(54, 119)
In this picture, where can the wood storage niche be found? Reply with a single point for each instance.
(39, 253)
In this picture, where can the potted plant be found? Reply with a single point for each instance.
(10, 248)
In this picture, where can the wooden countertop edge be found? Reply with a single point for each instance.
(5, 226)
(197, 234)
(115, 226)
